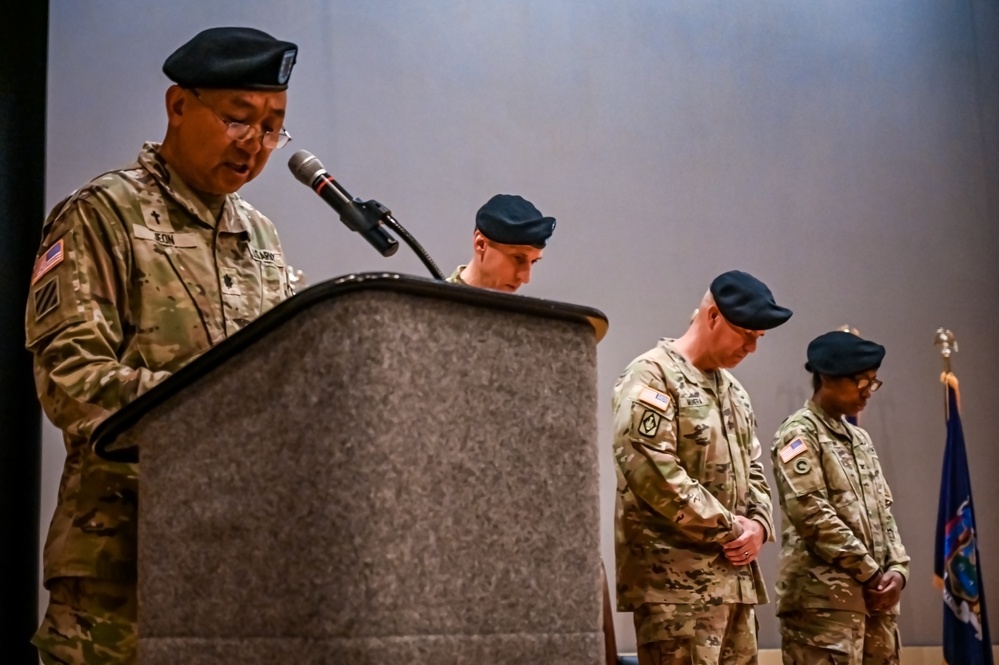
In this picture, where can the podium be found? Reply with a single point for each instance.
(382, 469)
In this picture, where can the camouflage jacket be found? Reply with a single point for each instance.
(135, 278)
(688, 462)
(838, 530)
(455, 277)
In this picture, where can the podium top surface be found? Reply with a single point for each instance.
(107, 432)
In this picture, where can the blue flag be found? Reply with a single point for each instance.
(956, 562)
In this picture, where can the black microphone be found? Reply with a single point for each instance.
(307, 168)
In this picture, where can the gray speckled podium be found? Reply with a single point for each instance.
(381, 470)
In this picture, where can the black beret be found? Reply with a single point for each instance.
(840, 353)
(746, 302)
(239, 58)
(512, 220)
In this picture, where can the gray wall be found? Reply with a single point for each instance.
(845, 151)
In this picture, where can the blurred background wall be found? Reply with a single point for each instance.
(844, 151)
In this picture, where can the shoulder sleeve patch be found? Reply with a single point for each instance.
(52, 257)
(792, 450)
(654, 398)
(648, 424)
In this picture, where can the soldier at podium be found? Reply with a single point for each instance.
(510, 237)
(139, 272)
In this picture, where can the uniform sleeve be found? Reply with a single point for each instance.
(761, 505)
(897, 558)
(804, 497)
(645, 449)
(74, 319)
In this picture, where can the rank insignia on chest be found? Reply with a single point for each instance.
(229, 285)
(648, 425)
(654, 398)
(792, 450)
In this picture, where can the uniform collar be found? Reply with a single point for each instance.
(716, 381)
(456, 276)
(229, 221)
(837, 425)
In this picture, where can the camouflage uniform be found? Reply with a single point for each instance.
(455, 277)
(838, 532)
(687, 464)
(144, 277)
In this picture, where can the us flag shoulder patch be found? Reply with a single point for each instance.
(653, 398)
(792, 450)
(52, 257)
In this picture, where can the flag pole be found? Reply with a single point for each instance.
(945, 340)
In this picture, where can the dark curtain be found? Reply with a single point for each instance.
(23, 57)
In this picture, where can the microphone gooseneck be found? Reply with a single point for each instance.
(369, 218)
(308, 170)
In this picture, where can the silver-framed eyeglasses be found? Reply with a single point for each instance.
(240, 131)
(868, 384)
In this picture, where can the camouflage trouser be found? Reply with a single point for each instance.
(836, 637)
(88, 621)
(696, 634)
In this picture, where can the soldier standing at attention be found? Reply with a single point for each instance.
(842, 564)
(510, 234)
(693, 505)
(139, 272)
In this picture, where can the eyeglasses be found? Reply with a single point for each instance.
(747, 334)
(868, 384)
(240, 131)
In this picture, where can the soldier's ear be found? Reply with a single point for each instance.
(714, 317)
(176, 101)
(478, 243)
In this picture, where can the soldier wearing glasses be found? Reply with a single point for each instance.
(509, 238)
(140, 271)
(842, 564)
(693, 505)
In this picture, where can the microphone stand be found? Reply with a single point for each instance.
(379, 214)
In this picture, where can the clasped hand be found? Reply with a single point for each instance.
(746, 546)
(882, 591)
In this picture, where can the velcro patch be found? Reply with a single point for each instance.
(166, 239)
(52, 257)
(648, 424)
(691, 398)
(654, 398)
(265, 255)
(792, 450)
(46, 297)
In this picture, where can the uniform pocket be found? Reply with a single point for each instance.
(107, 511)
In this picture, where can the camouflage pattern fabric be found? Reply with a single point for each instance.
(455, 277)
(839, 637)
(136, 277)
(838, 530)
(688, 462)
(696, 634)
(88, 621)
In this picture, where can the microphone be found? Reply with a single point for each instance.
(354, 213)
